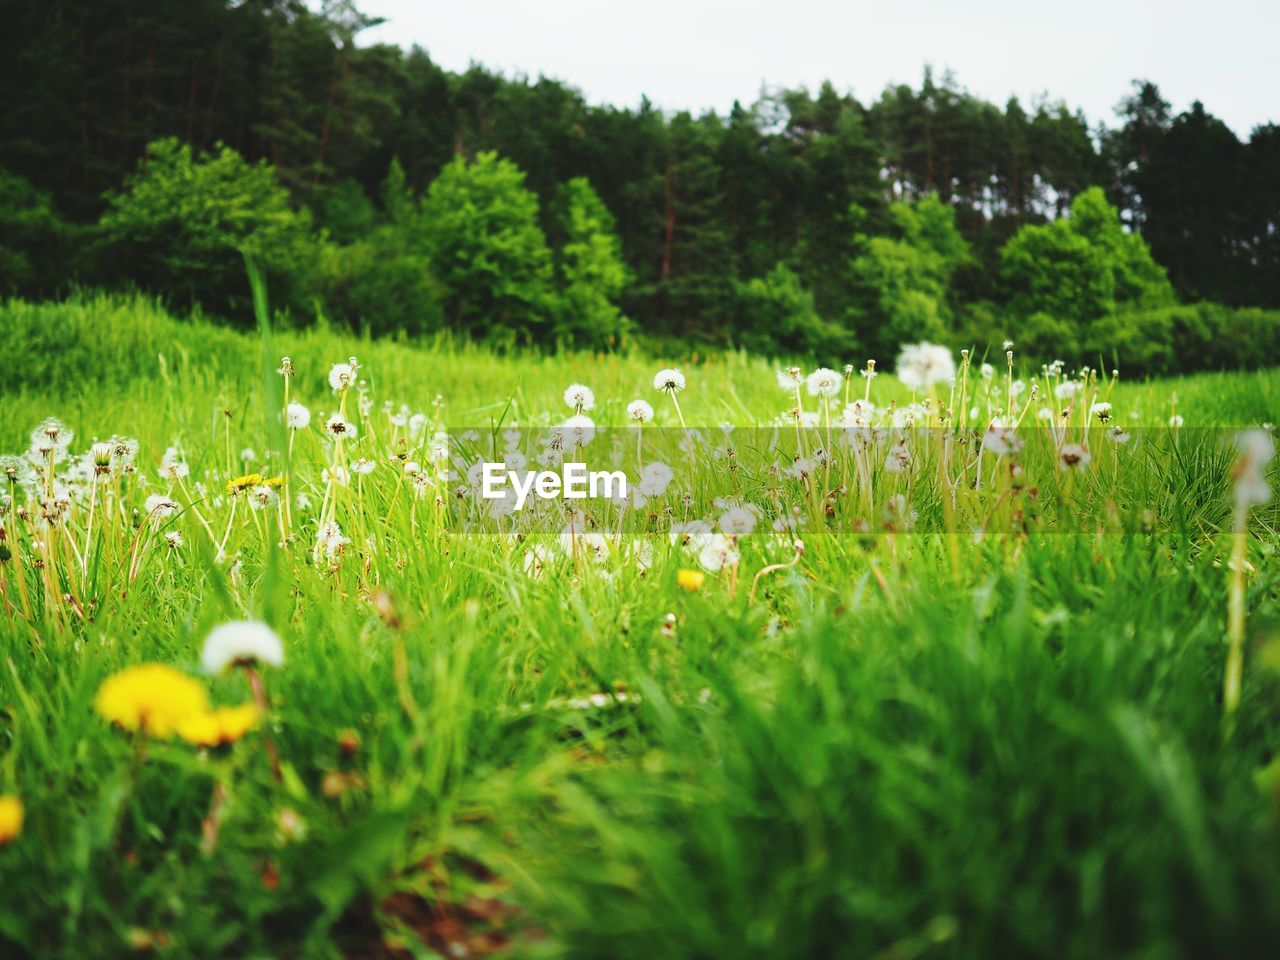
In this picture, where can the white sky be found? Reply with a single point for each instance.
(695, 54)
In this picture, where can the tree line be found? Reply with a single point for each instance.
(149, 143)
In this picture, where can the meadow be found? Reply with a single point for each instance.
(959, 662)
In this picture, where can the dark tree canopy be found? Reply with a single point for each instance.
(791, 206)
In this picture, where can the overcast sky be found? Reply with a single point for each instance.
(697, 54)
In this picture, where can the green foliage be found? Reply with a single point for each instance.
(1139, 281)
(380, 285)
(479, 229)
(908, 276)
(1180, 339)
(344, 212)
(31, 237)
(701, 203)
(778, 316)
(97, 343)
(185, 220)
(1052, 269)
(590, 269)
(1075, 284)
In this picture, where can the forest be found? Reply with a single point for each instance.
(152, 146)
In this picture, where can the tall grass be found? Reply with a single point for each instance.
(903, 745)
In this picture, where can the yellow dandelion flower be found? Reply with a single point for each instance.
(242, 483)
(153, 698)
(215, 728)
(11, 814)
(272, 482)
(690, 579)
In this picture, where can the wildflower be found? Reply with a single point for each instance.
(1175, 421)
(789, 379)
(15, 470)
(330, 538)
(856, 415)
(1256, 451)
(737, 521)
(718, 552)
(124, 450)
(870, 372)
(580, 398)
(440, 446)
(1001, 440)
(240, 484)
(174, 539)
(172, 466)
(297, 417)
(343, 375)
(1101, 410)
(921, 365)
(1073, 456)
(11, 817)
(219, 727)
(823, 382)
(578, 430)
(241, 642)
(642, 553)
(898, 458)
(639, 411)
(152, 698)
(286, 367)
(51, 440)
(290, 827)
(987, 371)
(340, 428)
(669, 381)
(262, 496)
(690, 580)
(364, 466)
(654, 479)
(1119, 434)
(100, 453)
(591, 544)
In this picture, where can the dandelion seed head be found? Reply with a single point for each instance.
(654, 479)
(640, 411)
(297, 417)
(823, 382)
(923, 365)
(240, 642)
(580, 398)
(340, 428)
(342, 376)
(669, 381)
(1073, 456)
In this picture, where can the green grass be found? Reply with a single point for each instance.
(905, 745)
